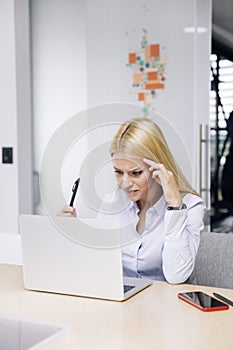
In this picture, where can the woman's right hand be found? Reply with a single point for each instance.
(67, 211)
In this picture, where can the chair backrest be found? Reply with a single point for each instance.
(214, 261)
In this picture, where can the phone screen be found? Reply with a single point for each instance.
(203, 301)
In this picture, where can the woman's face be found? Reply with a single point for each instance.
(133, 177)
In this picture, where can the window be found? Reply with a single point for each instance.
(221, 105)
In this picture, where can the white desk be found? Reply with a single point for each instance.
(153, 319)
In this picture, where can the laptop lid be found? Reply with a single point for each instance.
(73, 256)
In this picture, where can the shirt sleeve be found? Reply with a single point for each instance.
(182, 237)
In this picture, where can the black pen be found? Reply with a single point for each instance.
(74, 190)
(221, 297)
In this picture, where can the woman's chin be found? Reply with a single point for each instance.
(133, 196)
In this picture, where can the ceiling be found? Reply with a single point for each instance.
(222, 28)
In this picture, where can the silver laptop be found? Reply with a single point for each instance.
(75, 257)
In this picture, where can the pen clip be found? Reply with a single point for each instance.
(75, 184)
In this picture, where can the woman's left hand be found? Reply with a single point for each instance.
(166, 179)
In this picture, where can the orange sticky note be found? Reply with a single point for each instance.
(137, 78)
(155, 50)
(132, 58)
(152, 75)
(141, 96)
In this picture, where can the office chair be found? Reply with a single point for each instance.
(214, 261)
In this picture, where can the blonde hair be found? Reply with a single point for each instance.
(142, 138)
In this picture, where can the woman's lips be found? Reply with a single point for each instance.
(131, 192)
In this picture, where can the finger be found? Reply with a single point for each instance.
(157, 176)
(149, 162)
(164, 176)
(66, 214)
(155, 167)
(69, 215)
(67, 211)
(166, 173)
(62, 213)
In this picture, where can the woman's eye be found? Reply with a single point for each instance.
(136, 173)
(118, 172)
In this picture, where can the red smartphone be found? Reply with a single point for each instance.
(203, 301)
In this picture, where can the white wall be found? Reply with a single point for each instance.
(59, 68)
(15, 114)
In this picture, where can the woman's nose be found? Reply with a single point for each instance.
(125, 182)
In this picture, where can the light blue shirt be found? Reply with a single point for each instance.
(167, 248)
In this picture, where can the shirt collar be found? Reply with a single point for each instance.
(158, 207)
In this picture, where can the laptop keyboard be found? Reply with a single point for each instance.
(127, 288)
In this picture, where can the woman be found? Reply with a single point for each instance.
(155, 193)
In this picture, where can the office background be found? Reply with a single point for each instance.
(61, 57)
(45, 80)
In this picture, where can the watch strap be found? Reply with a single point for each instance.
(180, 207)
